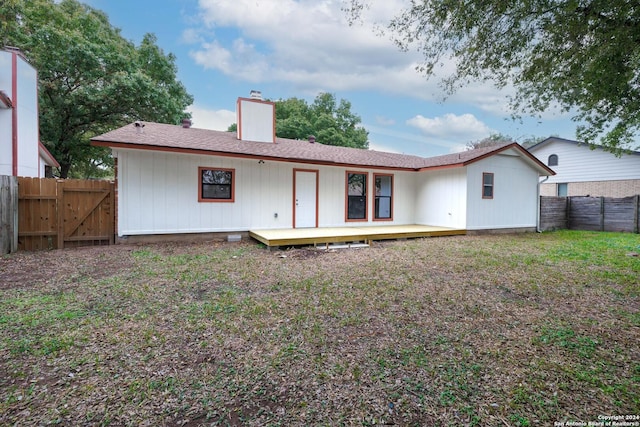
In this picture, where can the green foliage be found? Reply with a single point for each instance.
(582, 55)
(493, 140)
(332, 123)
(91, 79)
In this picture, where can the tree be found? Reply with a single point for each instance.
(582, 54)
(533, 140)
(330, 122)
(91, 79)
(491, 141)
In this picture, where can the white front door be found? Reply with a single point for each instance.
(305, 203)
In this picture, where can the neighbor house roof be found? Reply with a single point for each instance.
(172, 138)
(46, 156)
(570, 141)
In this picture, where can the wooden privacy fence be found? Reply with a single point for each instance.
(56, 214)
(590, 213)
(8, 214)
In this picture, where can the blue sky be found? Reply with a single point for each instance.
(286, 48)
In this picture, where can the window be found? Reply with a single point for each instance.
(487, 185)
(383, 203)
(356, 196)
(553, 160)
(216, 185)
(562, 190)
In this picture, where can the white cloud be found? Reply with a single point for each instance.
(385, 121)
(306, 43)
(204, 118)
(451, 127)
(309, 46)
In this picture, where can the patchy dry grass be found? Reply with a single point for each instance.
(513, 330)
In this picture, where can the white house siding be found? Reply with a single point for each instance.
(27, 117)
(158, 194)
(28, 155)
(5, 116)
(6, 151)
(578, 163)
(441, 198)
(514, 203)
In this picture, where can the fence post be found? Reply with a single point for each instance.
(60, 213)
(568, 213)
(8, 214)
(636, 219)
(601, 213)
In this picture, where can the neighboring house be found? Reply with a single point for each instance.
(178, 179)
(582, 171)
(21, 152)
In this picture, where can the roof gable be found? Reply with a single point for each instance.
(555, 140)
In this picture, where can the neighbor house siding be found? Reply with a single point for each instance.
(6, 115)
(514, 203)
(578, 163)
(25, 107)
(28, 155)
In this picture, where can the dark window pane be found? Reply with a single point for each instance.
(216, 184)
(216, 191)
(357, 207)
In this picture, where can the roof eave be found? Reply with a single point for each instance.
(47, 156)
(522, 150)
(126, 145)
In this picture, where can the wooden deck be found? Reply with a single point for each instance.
(366, 234)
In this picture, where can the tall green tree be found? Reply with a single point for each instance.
(91, 78)
(582, 54)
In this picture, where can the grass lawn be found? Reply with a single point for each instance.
(509, 330)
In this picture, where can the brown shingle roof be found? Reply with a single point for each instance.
(163, 137)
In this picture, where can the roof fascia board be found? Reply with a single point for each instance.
(518, 147)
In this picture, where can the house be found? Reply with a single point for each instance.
(179, 179)
(582, 171)
(21, 152)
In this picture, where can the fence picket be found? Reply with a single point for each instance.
(55, 214)
(590, 213)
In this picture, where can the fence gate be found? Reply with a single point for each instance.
(56, 214)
